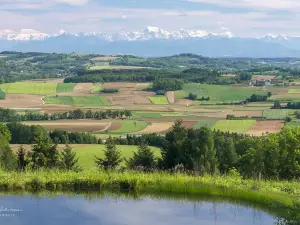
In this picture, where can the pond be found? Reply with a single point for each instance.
(108, 210)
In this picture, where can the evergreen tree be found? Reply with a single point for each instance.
(69, 160)
(44, 155)
(21, 154)
(7, 157)
(144, 158)
(112, 156)
(172, 154)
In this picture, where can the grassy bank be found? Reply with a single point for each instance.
(274, 194)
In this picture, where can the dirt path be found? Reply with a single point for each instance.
(171, 97)
(105, 128)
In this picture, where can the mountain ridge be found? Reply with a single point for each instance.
(152, 41)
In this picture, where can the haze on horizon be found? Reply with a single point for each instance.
(241, 17)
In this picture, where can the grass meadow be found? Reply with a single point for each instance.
(65, 87)
(159, 100)
(234, 126)
(29, 88)
(130, 126)
(36, 88)
(87, 154)
(218, 93)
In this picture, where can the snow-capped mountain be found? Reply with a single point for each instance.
(151, 41)
(149, 33)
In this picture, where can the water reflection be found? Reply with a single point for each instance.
(64, 210)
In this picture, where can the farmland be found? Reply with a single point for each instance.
(36, 88)
(29, 88)
(234, 126)
(218, 93)
(79, 101)
(130, 126)
(276, 114)
(97, 88)
(61, 88)
(159, 100)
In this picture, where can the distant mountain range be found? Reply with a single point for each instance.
(152, 41)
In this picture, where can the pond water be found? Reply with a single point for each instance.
(78, 210)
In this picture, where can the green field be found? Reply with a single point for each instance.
(276, 114)
(205, 123)
(103, 67)
(79, 101)
(218, 93)
(159, 100)
(2, 95)
(97, 88)
(29, 88)
(65, 87)
(130, 126)
(87, 154)
(234, 126)
(156, 114)
(294, 123)
(294, 91)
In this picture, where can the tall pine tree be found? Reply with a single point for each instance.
(112, 156)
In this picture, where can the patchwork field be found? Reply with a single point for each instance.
(218, 93)
(157, 114)
(79, 101)
(73, 125)
(159, 100)
(294, 91)
(235, 126)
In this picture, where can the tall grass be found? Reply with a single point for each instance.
(271, 193)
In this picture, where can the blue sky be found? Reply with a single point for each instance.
(241, 17)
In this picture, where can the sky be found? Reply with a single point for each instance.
(247, 18)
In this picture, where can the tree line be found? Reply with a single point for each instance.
(10, 115)
(144, 75)
(24, 134)
(200, 151)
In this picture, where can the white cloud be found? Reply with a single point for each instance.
(256, 4)
(73, 2)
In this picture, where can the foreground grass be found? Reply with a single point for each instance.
(86, 154)
(279, 196)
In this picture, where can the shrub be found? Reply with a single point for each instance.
(110, 90)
